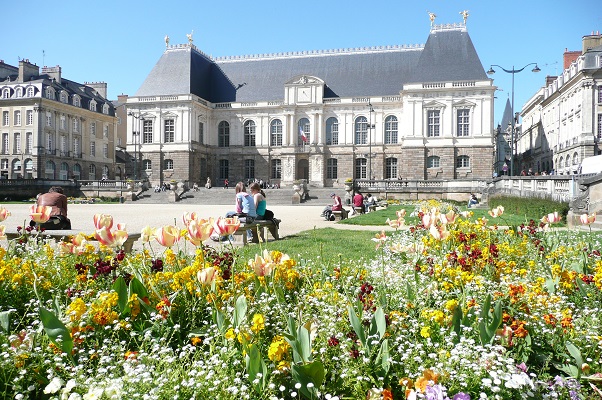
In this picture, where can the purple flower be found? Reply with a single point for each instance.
(435, 392)
(461, 396)
(522, 366)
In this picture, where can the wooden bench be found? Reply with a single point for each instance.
(257, 227)
(65, 235)
(339, 215)
(359, 210)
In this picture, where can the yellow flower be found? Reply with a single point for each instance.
(230, 335)
(258, 323)
(425, 332)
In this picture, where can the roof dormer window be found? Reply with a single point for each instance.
(77, 102)
(64, 97)
(105, 108)
(50, 93)
(29, 92)
(92, 105)
(6, 93)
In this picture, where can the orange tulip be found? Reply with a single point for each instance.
(103, 220)
(167, 236)
(40, 214)
(226, 226)
(3, 214)
(207, 275)
(199, 229)
(587, 219)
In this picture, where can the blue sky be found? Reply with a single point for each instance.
(120, 42)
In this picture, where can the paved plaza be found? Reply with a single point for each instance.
(295, 218)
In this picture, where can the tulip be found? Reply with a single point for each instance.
(65, 247)
(379, 238)
(427, 220)
(199, 230)
(2, 232)
(439, 232)
(401, 213)
(3, 213)
(112, 239)
(448, 218)
(207, 275)
(496, 212)
(103, 220)
(167, 236)
(40, 214)
(396, 223)
(226, 226)
(261, 266)
(587, 219)
(551, 218)
(148, 234)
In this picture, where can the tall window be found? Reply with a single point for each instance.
(76, 149)
(249, 128)
(168, 164)
(64, 171)
(147, 165)
(433, 162)
(5, 143)
(29, 117)
(49, 170)
(92, 171)
(19, 92)
(433, 123)
(201, 132)
(17, 143)
(463, 122)
(147, 131)
(391, 168)
(77, 102)
(361, 168)
(361, 131)
(93, 128)
(29, 143)
(599, 95)
(63, 123)
(29, 92)
(48, 119)
(93, 149)
(331, 168)
(224, 169)
(76, 124)
(249, 169)
(600, 126)
(63, 145)
(105, 131)
(77, 171)
(50, 143)
(391, 130)
(223, 135)
(63, 97)
(169, 130)
(49, 94)
(5, 118)
(276, 169)
(276, 133)
(332, 131)
(6, 94)
(463, 162)
(105, 150)
(17, 117)
(92, 105)
(304, 132)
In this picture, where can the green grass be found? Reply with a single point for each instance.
(329, 244)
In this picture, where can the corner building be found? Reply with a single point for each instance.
(420, 112)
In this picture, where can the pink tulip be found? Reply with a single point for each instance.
(439, 232)
(428, 220)
(379, 238)
(207, 275)
(167, 236)
(551, 218)
(396, 223)
(2, 232)
(40, 214)
(103, 220)
(3, 214)
(587, 219)
(448, 218)
(226, 226)
(401, 213)
(261, 266)
(496, 212)
(112, 239)
(199, 230)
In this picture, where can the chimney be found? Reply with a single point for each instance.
(569, 57)
(100, 87)
(122, 98)
(27, 71)
(591, 41)
(53, 72)
(550, 79)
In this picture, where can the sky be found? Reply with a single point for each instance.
(120, 42)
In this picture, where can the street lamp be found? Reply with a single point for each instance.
(370, 127)
(512, 71)
(135, 139)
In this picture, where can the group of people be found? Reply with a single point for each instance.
(162, 188)
(262, 184)
(363, 202)
(250, 207)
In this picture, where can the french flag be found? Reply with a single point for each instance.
(302, 133)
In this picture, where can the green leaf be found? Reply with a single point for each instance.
(122, 292)
(496, 319)
(357, 326)
(305, 344)
(56, 331)
(255, 366)
(384, 358)
(138, 288)
(220, 320)
(313, 372)
(576, 354)
(5, 320)
(240, 311)
(380, 321)
(457, 323)
(551, 285)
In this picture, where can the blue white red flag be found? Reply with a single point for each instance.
(302, 133)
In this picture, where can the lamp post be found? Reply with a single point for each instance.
(135, 139)
(370, 127)
(512, 71)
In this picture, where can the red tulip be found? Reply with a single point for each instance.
(587, 219)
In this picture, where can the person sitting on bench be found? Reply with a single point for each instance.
(336, 206)
(58, 202)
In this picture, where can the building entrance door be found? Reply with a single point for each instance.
(303, 169)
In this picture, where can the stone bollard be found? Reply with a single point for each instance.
(296, 198)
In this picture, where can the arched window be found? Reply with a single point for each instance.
(391, 168)
(433, 162)
(49, 93)
(304, 135)
(331, 168)
(361, 168)
(77, 101)
(147, 165)
(567, 161)
(29, 92)
(92, 105)
(6, 93)
(332, 131)
(49, 170)
(249, 169)
(223, 135)
(463, 162)
(575, 159)
(276, 133)
(391, 129)
(168, 164)
(249, 128)
(276, 169)
(361, 131)
(77, 171)
(105, 172)
(64, 97)
(92, 171)
(19, 92)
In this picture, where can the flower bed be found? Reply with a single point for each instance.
(452, 308)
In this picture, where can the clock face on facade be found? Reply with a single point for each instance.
(304, 94)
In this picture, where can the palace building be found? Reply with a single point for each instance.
(422, 112)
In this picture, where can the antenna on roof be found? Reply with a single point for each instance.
(43, 57)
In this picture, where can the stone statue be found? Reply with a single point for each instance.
(189, 36)
(464, 15)
(166, 41)
(432, 17)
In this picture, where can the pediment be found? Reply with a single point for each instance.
(305, 80)
(464, 103)
(434, 104)
(169, 114)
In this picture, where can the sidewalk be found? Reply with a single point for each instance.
(295, 219)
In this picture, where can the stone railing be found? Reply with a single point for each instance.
(458, 189)
(558, 188)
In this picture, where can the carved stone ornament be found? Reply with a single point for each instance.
(580, 203)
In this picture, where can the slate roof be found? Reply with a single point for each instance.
(448, 55)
